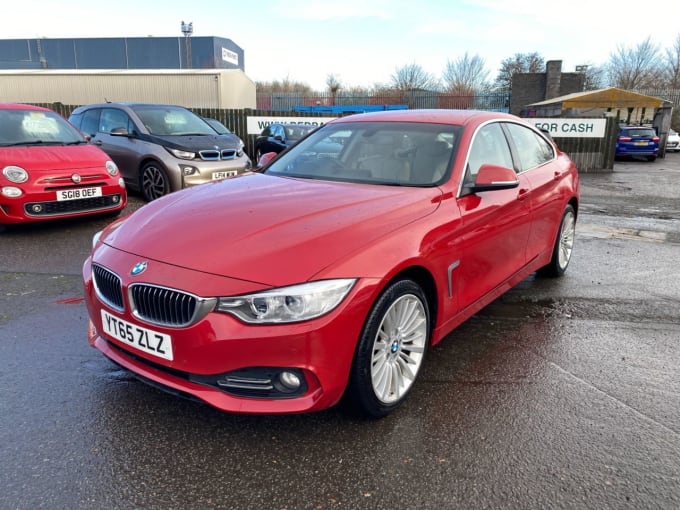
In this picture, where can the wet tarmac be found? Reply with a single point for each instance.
(561, 394)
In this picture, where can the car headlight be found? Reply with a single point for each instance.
(182, 154)
(241, 148)
(287, 304)
(111, 168)
(95, 238)
(15, 174)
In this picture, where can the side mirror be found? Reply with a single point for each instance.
(494, 177)
(279, 138)
(265, 159)
(120, 131)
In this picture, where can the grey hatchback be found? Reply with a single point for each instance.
(161, 148)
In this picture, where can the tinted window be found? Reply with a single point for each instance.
(639, 132)
(533, 149)
(111, 119)
(90, 122)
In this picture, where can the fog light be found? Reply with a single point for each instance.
(37, 208)
(11, 191)
(115, 199)
(189, 170)
(289, 380)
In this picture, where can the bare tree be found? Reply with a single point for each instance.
(285, 85)
(334, 85)
(595, 77)
(518, 63)
(671, 62)
(465, 75)
(413, 77)
(635, 68)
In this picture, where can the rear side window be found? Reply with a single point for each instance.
(533, 149)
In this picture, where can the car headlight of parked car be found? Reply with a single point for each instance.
(182, 154)
(15, 174)
(288, 304)
(111, 168)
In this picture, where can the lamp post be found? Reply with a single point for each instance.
(187, 30)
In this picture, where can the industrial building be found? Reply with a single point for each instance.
(196, 72)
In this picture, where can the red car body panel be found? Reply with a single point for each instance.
(255, 232)
(51, 169)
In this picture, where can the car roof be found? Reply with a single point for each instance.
(130, 105)
(20, 106)
(454, 117)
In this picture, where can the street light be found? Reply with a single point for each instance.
(187, 30)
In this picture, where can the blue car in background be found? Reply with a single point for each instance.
(637, 141)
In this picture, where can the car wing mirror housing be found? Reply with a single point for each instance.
(264, 160)
(120, 131)
(494, 177)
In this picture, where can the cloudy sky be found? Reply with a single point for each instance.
(363, 42)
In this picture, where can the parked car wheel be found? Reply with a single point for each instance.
(153, 181)
(564, 245)
(391, 350)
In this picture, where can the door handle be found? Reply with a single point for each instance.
(522, 194)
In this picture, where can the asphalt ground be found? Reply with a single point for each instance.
(563, 393)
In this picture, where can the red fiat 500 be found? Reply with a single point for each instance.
(49, 171)
(332, 270)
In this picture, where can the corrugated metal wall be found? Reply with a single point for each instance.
(193, 89)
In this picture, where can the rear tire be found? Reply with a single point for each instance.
(564, 245)
(390, 351)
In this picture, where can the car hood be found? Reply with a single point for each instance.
(195, 143)
(53, 157)
(269, 230)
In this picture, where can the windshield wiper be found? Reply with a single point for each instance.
(32, 142)
(75, 142)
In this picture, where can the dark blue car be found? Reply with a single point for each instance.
(637, 141)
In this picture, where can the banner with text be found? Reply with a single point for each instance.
(255, 125)
(571, 128)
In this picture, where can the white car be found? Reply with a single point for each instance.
(673, 141)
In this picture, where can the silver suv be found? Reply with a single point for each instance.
(161, 148)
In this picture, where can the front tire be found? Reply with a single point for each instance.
(153, 181)
(390, 351)
(564, 245)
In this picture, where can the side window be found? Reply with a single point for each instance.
(489, 146)
(90, 123)
(532, 148)
(278, 131)
(111, 119)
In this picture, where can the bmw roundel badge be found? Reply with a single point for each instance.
(139, 268)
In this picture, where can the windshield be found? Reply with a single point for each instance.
(36, 127)
(172, 121)
(392, 153)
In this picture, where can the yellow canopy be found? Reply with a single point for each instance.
(604, 98)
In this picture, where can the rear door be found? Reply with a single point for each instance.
(496, 224)
(537, 163)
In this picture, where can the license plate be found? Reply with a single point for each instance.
(142, 339)
(78, 193)
(641, 143)
(216, 176)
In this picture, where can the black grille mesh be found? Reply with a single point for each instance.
(108, 286)
(162, 306)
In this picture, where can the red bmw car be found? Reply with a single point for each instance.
(331, 271)
(49, 171)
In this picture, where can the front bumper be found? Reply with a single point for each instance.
(219, 348)
(40, 206)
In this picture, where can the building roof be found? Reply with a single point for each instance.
(611, 97)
